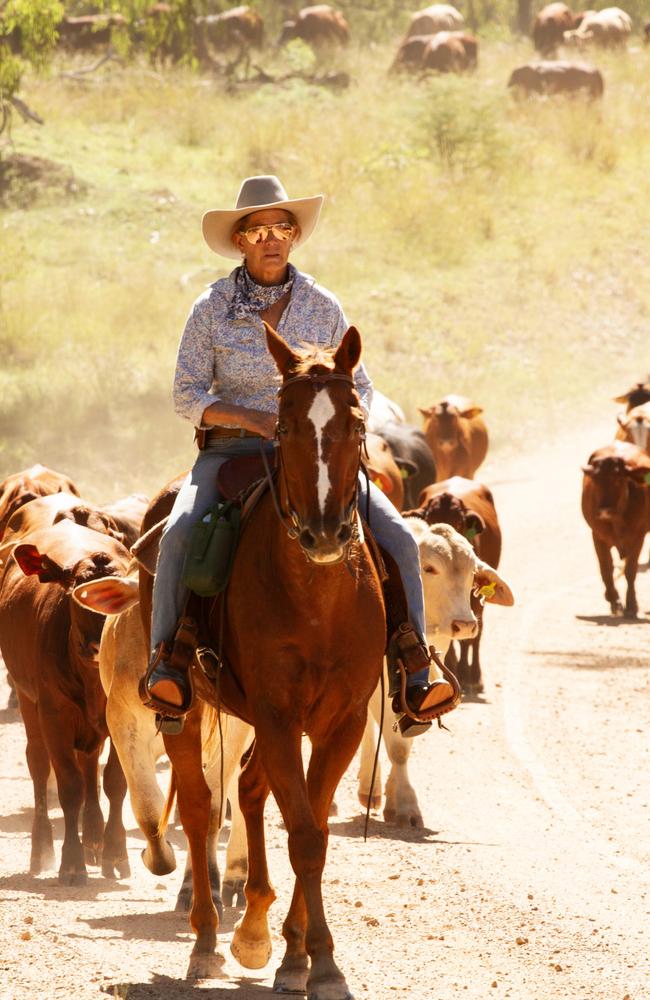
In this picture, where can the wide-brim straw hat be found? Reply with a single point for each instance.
(256, 194)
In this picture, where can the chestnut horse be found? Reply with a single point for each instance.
(305, 634)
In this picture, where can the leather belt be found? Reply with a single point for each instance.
(217, 433)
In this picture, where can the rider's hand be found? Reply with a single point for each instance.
(263, 423)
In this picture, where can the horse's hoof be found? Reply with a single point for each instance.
(206, 966)
(249, 953)
(291, 981)
(330, 991)
(162, 862)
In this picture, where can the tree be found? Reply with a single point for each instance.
(27, 38)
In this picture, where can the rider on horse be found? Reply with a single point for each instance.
(226, 385)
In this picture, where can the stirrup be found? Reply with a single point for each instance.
(428, 714)
(166, 710)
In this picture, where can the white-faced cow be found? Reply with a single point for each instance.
(451, 571)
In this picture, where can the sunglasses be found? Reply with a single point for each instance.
(257, 234)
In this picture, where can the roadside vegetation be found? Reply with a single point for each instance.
(482, 245)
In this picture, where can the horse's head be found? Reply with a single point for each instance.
(320, 432)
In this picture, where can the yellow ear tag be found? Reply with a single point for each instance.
(646, 478)
(379, 484)
(487, 590)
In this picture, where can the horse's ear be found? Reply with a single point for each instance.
(282, 353)
(348, 352)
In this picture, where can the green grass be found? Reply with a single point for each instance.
(481, 246)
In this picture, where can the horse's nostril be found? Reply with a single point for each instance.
(307, 540)
(344, 534)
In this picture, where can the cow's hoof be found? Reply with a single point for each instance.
(93, 856)
(184, 899)
(631, 613)
(206, 966)
(375, 800)
(73, 878)
(249, 952)
(160, 862)
(115, 867)
(232, 892)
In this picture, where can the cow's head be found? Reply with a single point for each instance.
(446, 416)
(451, 573)
(85, 624)
(445, 508)
(612, 477)
(93, 518)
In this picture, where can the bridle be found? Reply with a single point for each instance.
(290, 518)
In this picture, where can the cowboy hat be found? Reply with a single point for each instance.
(256, 194)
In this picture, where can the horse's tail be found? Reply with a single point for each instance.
(211, 734)
(163, 823)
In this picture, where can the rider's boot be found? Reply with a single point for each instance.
(167, 686)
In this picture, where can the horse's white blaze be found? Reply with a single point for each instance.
(320, 413)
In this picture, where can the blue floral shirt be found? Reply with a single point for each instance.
(227, 360)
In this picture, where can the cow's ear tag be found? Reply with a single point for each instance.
(646, 478)
(404, 473)
(487, 590)
(472, 533)
(378, 483)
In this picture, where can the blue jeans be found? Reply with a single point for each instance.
(199, 492)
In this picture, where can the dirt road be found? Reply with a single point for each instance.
(530, 878)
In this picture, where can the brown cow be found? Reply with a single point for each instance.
(616, 506)
(635, 427)
(50, 646)
(430, 20)
(320, 26)
(21, 487)
(444, 53)
(89, 30)
(441, 52)
(549, 27)
(636, 396)
(646, 33)
(557, 78)
(240, 26)
(468, 507)
(456, 435)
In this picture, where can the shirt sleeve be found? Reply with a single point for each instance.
(194, 374)
(362, 381)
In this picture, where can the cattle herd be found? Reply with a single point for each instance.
(436, 40)
(72, 629)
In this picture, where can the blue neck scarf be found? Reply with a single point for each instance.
(250, 299)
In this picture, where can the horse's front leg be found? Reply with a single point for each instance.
(305, 807)
(251, 942)
(194, 802)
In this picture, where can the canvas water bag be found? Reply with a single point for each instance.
(211, 550)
